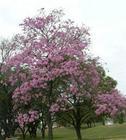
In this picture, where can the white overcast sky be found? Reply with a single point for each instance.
(106, 19)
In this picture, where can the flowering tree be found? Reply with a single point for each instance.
(110, 104)
(52, 52)
(75, 104)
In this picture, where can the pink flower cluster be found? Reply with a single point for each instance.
(110, 104)
(38, 22)
(60, 104)
(54, 108)
(22, 94)
(25, 118)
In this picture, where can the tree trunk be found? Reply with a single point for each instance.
(43, 133)
(49, 118)
(103, 120)
(49, 123)
(32, 132)
(23, 136)
(78, 132)
(23, 133)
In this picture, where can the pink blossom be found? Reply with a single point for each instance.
(26, 118)
(110, 103)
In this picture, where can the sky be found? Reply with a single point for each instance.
(105, 18)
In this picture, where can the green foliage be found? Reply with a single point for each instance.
(7, 120)
(120, 118)
(107, 83)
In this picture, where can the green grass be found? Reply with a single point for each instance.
(106, 132)
(115, 132)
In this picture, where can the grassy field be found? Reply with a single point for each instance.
(114, 132)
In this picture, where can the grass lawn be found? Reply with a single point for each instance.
(114, 132)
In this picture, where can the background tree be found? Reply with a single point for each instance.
(110, 104)
(7, 115)
(106, 83)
